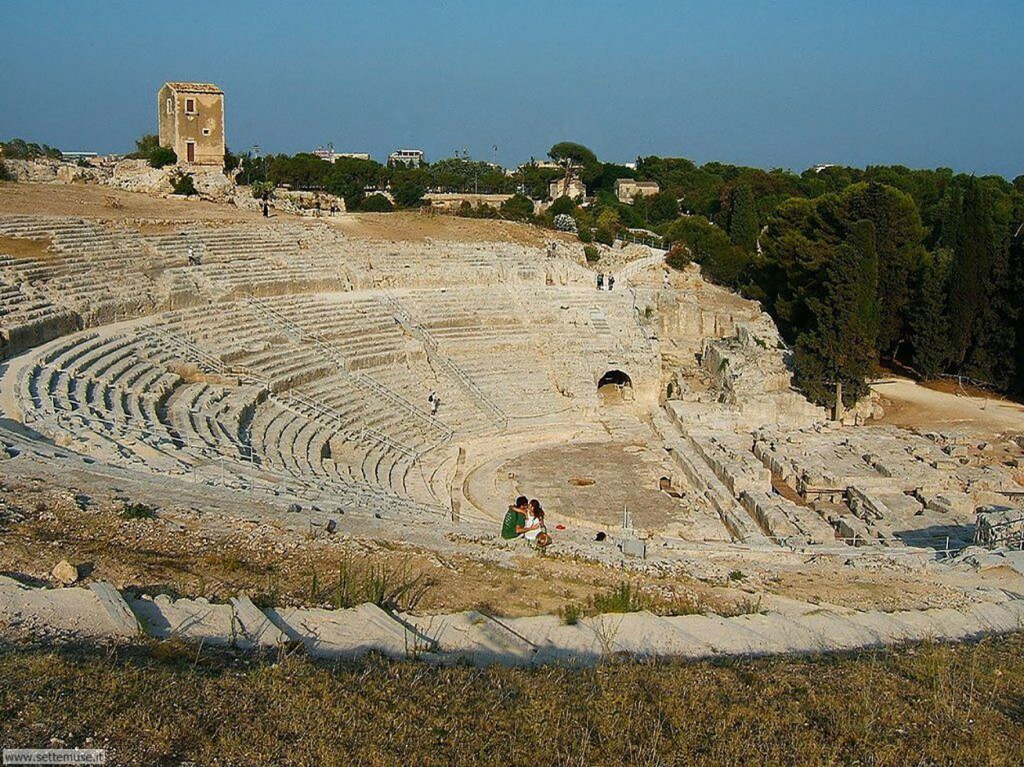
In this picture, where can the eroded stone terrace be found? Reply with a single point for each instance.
(296, 362)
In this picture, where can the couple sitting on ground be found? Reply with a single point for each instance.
(526, 520)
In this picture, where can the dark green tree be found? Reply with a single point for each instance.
(1016, 249)
(743, 218)
(562, 205)
(972, 260)
(376, 203)
(571, 152)
(231, 160)
(408, 193)
(929, 319)
(991, 357)
(841, 347)
(252, 170)
(661, 208)
(518, 208)
(162, 156)
(899, 235)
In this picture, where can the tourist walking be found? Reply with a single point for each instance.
(600, 280)
(611, 282)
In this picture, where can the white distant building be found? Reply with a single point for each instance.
(542, 164)
(74, 156)
(329, 155)
(412, 158)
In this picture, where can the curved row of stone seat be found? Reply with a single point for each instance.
(29, 320)
(358, 407)
(109, 389)
(214, 419)
(103, 612)
(212, 244)
(271, 351)
(300, 444)
(118, 394)
(493, 337)
(355, 326)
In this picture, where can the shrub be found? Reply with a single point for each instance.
(624, 598)
(389, 586)
(678, 256)
(183, 184)
(261, 189)
(592, 253)
(518, 207)
(5, 173)
(604, 235)
(563, 222)
(409, 194)
(162, 156)
(231, 161)
(585, 233)
(562, 205)
(571, 614)
(137, 511)
(376, 203)
(144, 146)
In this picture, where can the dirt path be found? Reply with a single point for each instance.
(912, 406)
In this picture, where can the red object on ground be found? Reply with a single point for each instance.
(559, 527)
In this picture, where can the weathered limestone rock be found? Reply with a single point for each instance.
(65, 573)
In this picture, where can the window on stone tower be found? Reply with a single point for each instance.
(170, 106)
(190, 106)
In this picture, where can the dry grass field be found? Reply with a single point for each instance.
(170, 704)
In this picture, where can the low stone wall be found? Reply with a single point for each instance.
(101, 612)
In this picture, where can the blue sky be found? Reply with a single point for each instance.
(771, 84)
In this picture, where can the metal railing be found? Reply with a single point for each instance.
(463, 378)
(330, 417)
(359, 379)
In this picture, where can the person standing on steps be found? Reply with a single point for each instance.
(266, 208)
(600, 280)
(611, 281)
